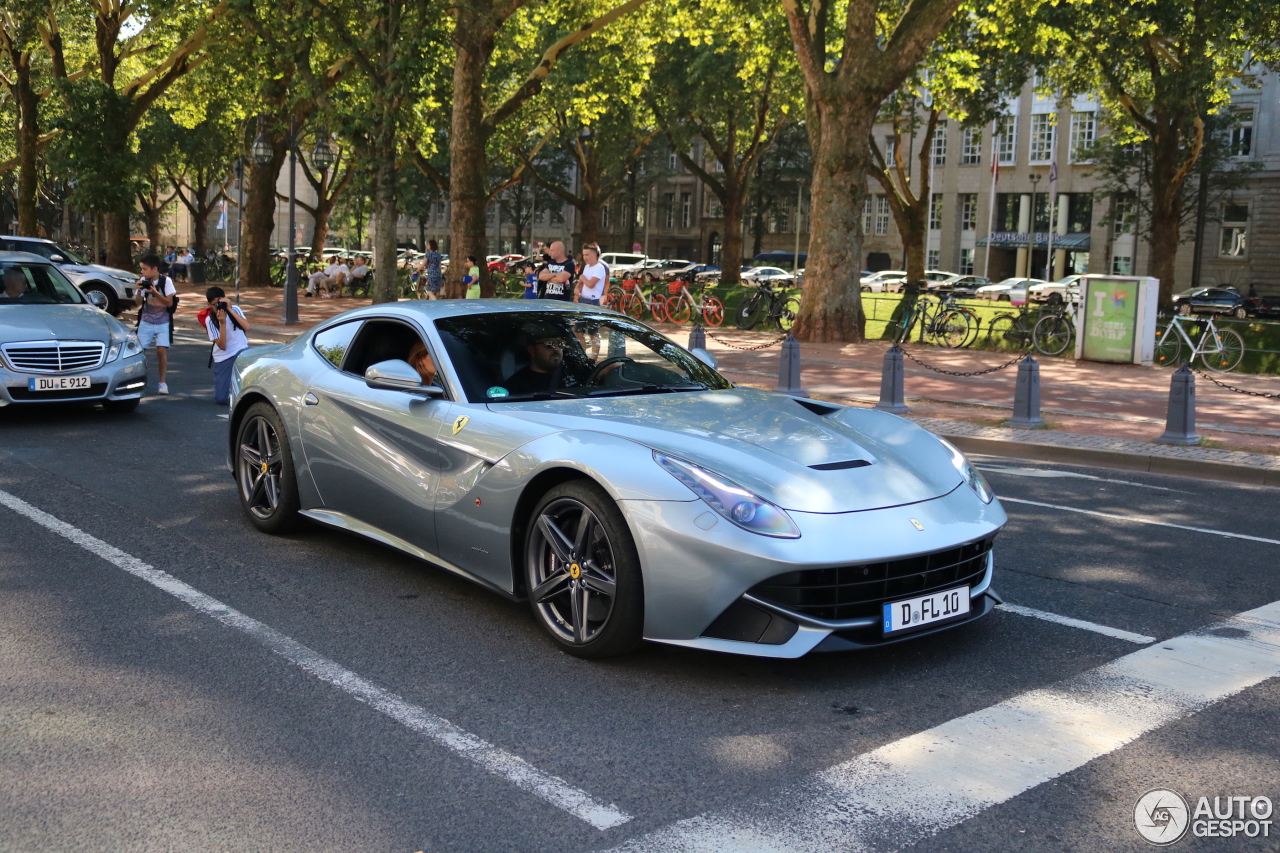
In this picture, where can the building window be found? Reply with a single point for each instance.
(1242, 133)
(1123, 211)
(1007, 140)
(866, 216)
(604, 216)
(939, 149)
(1044, 133)
(935, 212)
(882, 215)
(1084, 131)
(966, 261)
(971, 147)
(1080, 213)
(1121, 265)
(715, 210)
(1008, 211)
(669, 210)
(686, 210)
(1235, 230)
(968, 211)
(931, 259)
(639, 211)
(1038, 81)
(673, 162)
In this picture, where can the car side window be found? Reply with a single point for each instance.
(334, 342)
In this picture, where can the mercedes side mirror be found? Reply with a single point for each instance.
(58, 259)
(97, 299)
(397, 375)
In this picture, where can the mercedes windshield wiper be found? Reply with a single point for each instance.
(645, 389)
(535, 395)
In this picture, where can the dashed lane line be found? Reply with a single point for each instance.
(914, 788)
(493, 759)
(1138, 519)
(1117, 633)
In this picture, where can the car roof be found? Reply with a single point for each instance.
(24, 257)
(435, 309)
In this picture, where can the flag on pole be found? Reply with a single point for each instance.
(222, 217)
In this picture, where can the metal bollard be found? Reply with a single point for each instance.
(789, 368)
(1180, 425)
(697, 338)
(891, 395)
(1026, 395)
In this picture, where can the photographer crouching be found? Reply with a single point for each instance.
(228, 330)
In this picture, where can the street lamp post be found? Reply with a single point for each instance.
(323, 158)
(1031, 237)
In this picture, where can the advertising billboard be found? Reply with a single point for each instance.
(1116, 318)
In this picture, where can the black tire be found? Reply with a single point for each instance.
(749, 312)
(1229, 350)
(787, 313)
(1052, 334)
(1003, 331)
(1241, 313)
(579, 551)
(265, 477)
(1003, 297)
(1185, 309)
(113, 302)
(954, 328)
(120, 407)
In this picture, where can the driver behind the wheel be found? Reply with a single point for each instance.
(556, 361)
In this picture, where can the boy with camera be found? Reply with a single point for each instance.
(227, 329)
(157, 298)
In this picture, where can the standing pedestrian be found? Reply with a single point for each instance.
(557, 274)
(431, 265)
(157, 298)
(530, 281)
(227, 329)
(472, 278)
(594, 278)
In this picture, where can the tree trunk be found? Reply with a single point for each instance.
(153, 214)
(467, 142)
(200, 226)
(28, 142)
(589, 218)
(118, 254)
(320, 229)
(731, 242)
(1166, 211)
(832, 305)
(259, 218)
(386, 281)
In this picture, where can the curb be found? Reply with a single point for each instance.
(1152, 464)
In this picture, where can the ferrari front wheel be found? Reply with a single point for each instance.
(264, 471)
(583, 573)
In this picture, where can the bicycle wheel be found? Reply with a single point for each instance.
(786, 316)
(1007, 331)
(1168, 348)
(1227, 352)
(748, 314)
(678, 309)
(1052, 334)
(633, 306)
(953, 329)
(658, 308)
(712, 311)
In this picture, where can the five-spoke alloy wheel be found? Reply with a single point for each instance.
(264, 471)
(583, 573)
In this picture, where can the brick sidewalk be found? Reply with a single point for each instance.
(1116, 409)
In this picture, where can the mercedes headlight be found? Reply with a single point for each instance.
(129, 348)
(745, 509)
(971, 476)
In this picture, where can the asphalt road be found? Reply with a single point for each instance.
(131, 721)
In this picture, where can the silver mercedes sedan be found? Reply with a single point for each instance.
(58, 346)
(576, 458)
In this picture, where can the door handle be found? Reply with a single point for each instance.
(311, 399)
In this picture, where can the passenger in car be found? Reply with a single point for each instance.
(421, 361)
(15, 283)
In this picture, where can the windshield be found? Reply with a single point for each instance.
(545, 355)
(48, 250)
(36, 284)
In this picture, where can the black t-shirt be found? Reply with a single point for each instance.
(526, 380)
(558, 290)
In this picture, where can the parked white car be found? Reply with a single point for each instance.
(1012, 290)
(622, 264)
(773, 275)
(885, 281)
(1067, 288)
(116, 285)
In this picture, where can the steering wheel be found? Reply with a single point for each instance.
(606, 367)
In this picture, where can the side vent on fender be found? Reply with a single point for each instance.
(840, 466)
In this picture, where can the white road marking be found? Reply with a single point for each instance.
(1138, 519)
(1050, 474)
(914, 788)
(1117, 633)
(494, 759)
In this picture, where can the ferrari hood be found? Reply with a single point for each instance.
(817, 458)
(52, 322)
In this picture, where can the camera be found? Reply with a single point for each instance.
(223, 306)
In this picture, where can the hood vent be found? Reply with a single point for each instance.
(841, 466)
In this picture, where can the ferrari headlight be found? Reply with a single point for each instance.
(129, 348)
(745, 509)
(971, 476)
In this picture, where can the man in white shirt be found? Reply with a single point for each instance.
(335, 277)
(227, 328)
(155, 295)
(359, 273)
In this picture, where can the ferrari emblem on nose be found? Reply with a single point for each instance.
(916, 524)
(460, 423)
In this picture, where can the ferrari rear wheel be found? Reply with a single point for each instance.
(583, 573)
(264, 471)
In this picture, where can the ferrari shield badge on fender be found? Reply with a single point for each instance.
(914, 522)
(459, 423)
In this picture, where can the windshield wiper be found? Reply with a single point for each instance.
(535, 395)
(645, 389)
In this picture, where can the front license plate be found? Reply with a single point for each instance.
(57, 383)
(914, 612)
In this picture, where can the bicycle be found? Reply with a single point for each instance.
(1220, 350)
(769, 305)
(681, 304)
(939, 321)
(636, 302)
(1055, 331)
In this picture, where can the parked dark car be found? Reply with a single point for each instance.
(1211, 300)
(1263, 306)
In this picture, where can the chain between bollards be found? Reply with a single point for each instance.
(731, 345)
(1232, 387)
(1010, 363)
